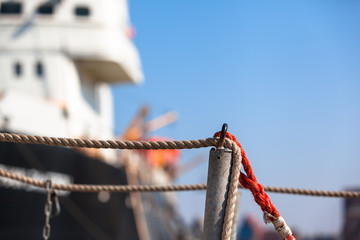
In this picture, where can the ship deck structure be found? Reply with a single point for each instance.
(58, 61)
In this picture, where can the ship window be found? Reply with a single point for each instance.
(82, 11)
(18, 69)
(39, 69)
(10, 8)
(46, 9)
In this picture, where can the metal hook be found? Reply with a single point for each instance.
(222, 136)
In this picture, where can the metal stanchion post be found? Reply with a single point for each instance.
(217, 192)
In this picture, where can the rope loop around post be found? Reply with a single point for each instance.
(233, 189)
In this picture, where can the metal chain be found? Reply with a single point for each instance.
(48, 208)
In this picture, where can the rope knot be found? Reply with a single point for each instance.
(249, 181)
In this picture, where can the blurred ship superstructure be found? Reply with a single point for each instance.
(57, 61)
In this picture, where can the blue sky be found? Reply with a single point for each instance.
(284, 75)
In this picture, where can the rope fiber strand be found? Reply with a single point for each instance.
(160, 188)
(88, 143)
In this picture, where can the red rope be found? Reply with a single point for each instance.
(250, 182)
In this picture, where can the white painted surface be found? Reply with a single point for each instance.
(80, 56)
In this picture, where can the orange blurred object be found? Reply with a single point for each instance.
(166, 158)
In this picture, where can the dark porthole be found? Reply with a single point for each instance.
(46, 9)
(39, 69)
(10, 8)
(18, 69)
(82, 11)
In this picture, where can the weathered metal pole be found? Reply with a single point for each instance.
(217, 192)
